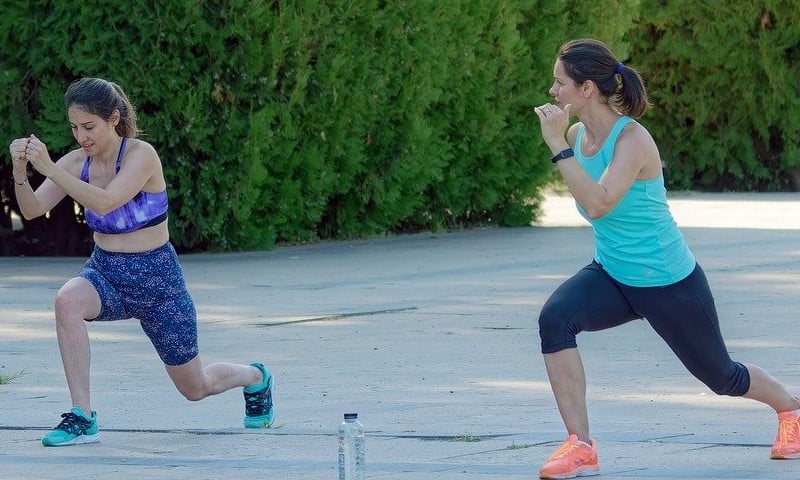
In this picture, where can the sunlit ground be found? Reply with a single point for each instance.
(772, 211)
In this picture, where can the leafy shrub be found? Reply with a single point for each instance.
(293, 121)
(723, 80)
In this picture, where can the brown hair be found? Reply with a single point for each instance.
(101, 97)
(588, 59)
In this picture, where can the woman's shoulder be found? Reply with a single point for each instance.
(635, 137)
(572, 132)
(142, 156)
(77, 155)
(73, 161)
(142, 150)
(636, 133)
(140, 146)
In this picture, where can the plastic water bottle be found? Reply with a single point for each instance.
(351, 448)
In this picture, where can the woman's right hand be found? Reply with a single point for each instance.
(554, 122)
(17, 150)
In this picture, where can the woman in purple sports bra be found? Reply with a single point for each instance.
(133, 271)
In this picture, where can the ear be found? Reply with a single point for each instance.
(114, 118)
(587, 88)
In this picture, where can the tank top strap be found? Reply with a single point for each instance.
(611, 140)
(579, 137)
(617, 129)
(607, 150)
(121, 152)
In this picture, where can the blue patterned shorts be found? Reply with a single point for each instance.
(148, 286)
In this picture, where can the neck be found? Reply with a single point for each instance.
(108, 155)
(598, 124)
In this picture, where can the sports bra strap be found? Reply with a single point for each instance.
(85, 170)
(121, 152)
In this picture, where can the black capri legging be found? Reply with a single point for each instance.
(683, 314)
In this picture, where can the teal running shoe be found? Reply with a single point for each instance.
(259, 412)
(75, 428)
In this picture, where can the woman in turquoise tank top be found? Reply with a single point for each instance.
(133, 271)
(642, 266)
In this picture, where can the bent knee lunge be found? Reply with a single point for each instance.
(192, 394)
(77, 299)
(733, 381)
(556, 331)
(190, 379)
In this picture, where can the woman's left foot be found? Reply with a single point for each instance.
(787, 442)
(259, 412)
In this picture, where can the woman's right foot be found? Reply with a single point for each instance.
(573, 458)
(75, 428)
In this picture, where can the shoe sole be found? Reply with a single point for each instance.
(793, 456)
(583, 472)
(79, 440)
(258, 422)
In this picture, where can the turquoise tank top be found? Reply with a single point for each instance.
(637, 242)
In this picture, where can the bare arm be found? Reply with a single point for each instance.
(35, 204)
(140, 166)
(634, 150)
(598, 198)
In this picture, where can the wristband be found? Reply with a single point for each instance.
(562, 155)
(22, 183)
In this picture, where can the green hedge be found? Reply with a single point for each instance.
(293, 121)
(723, 81)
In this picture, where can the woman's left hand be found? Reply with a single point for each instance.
(554, 122)
(37, 155)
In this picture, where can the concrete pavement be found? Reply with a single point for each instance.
(432, 339)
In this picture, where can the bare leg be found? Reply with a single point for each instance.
(568, 381)
(764, 388)
(196, 382)
(76, 301)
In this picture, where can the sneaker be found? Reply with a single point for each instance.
(259, 412)
(75, 428)
(787, 442)
(572, 459)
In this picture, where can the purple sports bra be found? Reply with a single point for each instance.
(146, 209)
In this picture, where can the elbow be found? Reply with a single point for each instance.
(104, 208)
(597, 210)
(600, 205)
(28, 214)
(102, 211)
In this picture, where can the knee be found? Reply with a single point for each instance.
(192, 394)
(551, 318)
(73, 301)
(555, 328)
(192, 391)
(720, 388)
(733, 381)
(67, 303)
(193, 386)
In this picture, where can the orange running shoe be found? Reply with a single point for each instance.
(787, 443)
(572, 459)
